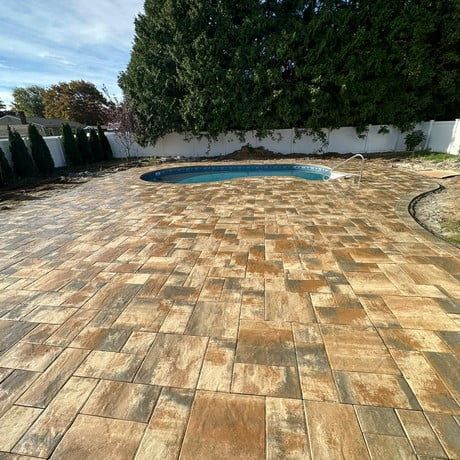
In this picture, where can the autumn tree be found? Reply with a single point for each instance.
(77, 100)
(29, 100)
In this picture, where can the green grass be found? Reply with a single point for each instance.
(435, 157)
(452, 230)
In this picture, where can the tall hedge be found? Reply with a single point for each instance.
(236, 65)
(95, 146)
(40, 152)
(6, 172)
(72, 154)
(105, 145)
(81, 138)
(23, 165)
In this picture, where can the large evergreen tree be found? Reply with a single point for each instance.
(23, 164)
(40, 152)
(199, 66)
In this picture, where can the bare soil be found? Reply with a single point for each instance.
(439, 212)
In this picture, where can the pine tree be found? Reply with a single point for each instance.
(40, 152)
(72, 155)
(6, 172)
(95, 146)
(81, 139)
(23, 164)
(105, 144)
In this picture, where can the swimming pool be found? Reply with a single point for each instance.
(202, 174)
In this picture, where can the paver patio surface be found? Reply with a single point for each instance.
(257, 318)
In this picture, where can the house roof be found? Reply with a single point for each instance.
(45, 122)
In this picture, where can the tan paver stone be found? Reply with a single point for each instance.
(214, 319)
(420, 313)
(420, 433)
(286, 431)
(173, 360)
(29, 356)
(412, 340)
(100, 338)
(448, 431)
(358, 349)
(375, 390)
(89, 436)
(429, 389)
(50, 314)
(165, 431)
(139, 342)
(127, 401)
(225, 426)
(14, 423)
(288, 306)
(371, 283)
(216, 373)
(109, 365)
(334, 431)
(42, 437)
(389, 447)
(316, 380)
(12, 387)
(50, 382)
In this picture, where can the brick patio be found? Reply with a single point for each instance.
(258, 318)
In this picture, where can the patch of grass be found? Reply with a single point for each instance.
(435, 157)
(452, 231)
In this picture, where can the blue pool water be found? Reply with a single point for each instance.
(201, 174)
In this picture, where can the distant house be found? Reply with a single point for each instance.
(46, 126)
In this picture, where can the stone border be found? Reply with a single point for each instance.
(405, 208)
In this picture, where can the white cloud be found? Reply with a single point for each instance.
(47, 41)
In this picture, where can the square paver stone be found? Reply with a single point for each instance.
(225, 426)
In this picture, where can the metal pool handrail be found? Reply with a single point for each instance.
(356, 155)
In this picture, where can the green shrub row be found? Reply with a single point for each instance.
(37, 162)
(82, 149)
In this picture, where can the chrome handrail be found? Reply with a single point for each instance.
(356, 155)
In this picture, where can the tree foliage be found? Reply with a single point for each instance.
(77, 100)
(95, 146)
(23, 164)
(264, 64)
(6, 172)
(72, 154)
(105, 145)
(81, 139)
(40, 152)
(29, 100)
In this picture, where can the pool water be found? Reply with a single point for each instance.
(203, 174)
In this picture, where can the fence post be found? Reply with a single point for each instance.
(428, 135)
(367, 137)
(455, 133)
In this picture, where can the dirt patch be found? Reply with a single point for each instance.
(255, 153)
(439, 212)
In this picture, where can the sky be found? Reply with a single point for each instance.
(47, 41)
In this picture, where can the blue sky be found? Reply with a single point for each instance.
(48, 41)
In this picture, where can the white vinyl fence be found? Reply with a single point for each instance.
(441, 136)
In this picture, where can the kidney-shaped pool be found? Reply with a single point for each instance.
(201, 174)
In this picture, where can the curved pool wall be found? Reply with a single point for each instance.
(203, 174)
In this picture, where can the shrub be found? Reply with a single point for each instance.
(414, 139)
(23, 164)
(40, 152)
(81, 139)
(95, 146)
(105, 144)
(72, 155)
(6, 172)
